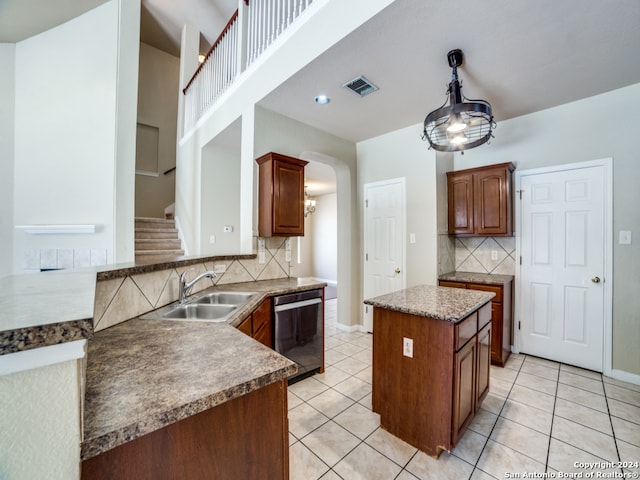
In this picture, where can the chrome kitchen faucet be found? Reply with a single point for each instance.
(185, 287)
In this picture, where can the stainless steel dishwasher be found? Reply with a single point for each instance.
(299, 330)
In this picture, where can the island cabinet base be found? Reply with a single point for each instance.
(246, 437)
(428, 396)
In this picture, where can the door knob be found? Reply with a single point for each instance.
(397, 270)
(595, 279)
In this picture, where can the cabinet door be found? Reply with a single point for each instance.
(464, 400)
(460, 203)
(288, 200)
(483, 364)
(262, 330)
(492, 201)
(245, 326)
(497, 334)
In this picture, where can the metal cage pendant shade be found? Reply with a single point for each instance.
(463, 123)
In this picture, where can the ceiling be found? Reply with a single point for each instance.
(521, 56)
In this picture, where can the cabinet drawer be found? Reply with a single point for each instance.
(465, 330)
(484, 315)
(488, 288)
(445, 283)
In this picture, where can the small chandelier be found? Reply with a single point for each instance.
(463, 123)
(309, 205)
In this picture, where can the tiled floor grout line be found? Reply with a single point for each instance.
(615, 440)
(553, 416)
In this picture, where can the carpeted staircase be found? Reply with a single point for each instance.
(156, 240)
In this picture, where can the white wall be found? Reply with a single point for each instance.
(403, 154)
(7, 113)
(598, 127)
(75, 90)
(324, 237)
(158, 93)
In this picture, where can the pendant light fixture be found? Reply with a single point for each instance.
(462, 123)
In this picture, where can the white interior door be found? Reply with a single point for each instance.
(562, 250)
(384, 241)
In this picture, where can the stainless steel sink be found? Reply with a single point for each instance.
(207, 307)
(196, 311)
(223, 298)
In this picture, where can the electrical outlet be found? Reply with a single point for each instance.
(625, 237)
(287, 245)
(221, 268)
(407, 347)
(261, 258)
(494, 254)
(287, 255)
(261, 244)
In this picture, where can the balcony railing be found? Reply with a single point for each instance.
(266, 21)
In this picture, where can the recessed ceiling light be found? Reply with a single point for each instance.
(322, 99)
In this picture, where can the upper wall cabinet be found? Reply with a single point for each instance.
(480, 201)
(280, 196)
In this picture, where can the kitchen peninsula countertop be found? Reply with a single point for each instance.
(472, 277)
(143, 375)
(443, 303)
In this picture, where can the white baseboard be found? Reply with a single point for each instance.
(348, 328)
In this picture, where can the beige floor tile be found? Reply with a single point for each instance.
(483, 422)
(624, 410)
(331, 357)
(535, 382)
(292, 439)
(532, 398)
(585, 383)
(497, 459)
(566, 458)
(445, 466)
(293, 400)
(514, 361)
(404, 475)
(581, 371)
(359, 420)
(505, 374)
(499, 387)
(365, 356)
(351, 365)
(365, 341)
(348, 348)
(543, 361)
(331, 376)
(366, 401)
(331, 403)
(470, 447)
(330, 442)
(480, 475)
(365, 463)
(622, 394)
(521, 439)
(584, 438)
(493, 403)
(353, 388)
(629, 453)
(365, 375)
(626, 431)
(330, 475)
(578, 395)
(583, 415)
(544, 371)
(620, 383)
(528, 416)
(307, 388)
(304, 465)
(391, 446)
(304, 419)
(331, 342)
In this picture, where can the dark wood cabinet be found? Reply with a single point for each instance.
(258, 325)
(480, 201)
(280, 196)
(501, 316)
(429, 399)
(246, 437)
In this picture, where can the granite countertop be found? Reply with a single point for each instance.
(47, 308)
(143, 375)
(443, 303)
(471, 277)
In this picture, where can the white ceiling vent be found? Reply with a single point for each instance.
(360, 86)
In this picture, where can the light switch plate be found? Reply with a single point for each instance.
(220, 268)
(625, 237)
(412, 238)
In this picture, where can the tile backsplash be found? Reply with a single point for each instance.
(120, 299)
(495, 255)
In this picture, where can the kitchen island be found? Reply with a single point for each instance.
(431, 360)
